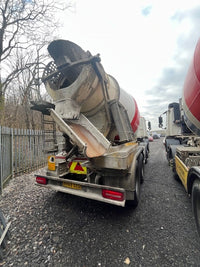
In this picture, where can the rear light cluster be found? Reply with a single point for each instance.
(114, 195)
(41, 180)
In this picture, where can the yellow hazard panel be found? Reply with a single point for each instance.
(182, 171)
(51, 163)
(76, 167)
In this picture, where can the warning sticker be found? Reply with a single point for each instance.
(51, 163)
(76, 167)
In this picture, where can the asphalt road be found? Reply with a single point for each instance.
(55, 229)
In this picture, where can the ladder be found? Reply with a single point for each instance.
(49, 135)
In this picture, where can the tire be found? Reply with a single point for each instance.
(141, 168)
(146, 153)
(176, 177)
(134, 203)
(146, 156)
(173, 167)
(196, 203)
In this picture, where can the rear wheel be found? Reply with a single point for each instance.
(196, 203)
(141, 168)
(173, 166)
(146, 156)
(137, 189)
(176, 177)
(134, 203)
(146, 153)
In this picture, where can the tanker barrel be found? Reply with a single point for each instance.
(191, 93)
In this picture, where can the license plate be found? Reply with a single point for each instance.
(72, 186)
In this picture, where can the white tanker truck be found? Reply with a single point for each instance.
(182, 140)
(101, 159)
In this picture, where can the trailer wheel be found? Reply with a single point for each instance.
(134, 203)
(146, 156)
(141, 168)
(176, 177)
(173, 167)
(196, 203)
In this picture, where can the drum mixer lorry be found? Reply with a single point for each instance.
(101, 158)
(182, 141)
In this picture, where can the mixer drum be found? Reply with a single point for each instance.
(132, 109)
(191, 93)
(80, 89)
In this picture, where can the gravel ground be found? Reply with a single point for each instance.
(55, 229)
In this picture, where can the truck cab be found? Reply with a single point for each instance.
(176, 130)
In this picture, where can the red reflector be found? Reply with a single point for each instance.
(78, 167)
(114, 195)
(41, 180)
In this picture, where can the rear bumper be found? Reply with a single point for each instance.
(86, 190)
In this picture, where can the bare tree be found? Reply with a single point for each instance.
(25, 86)
(24, 24)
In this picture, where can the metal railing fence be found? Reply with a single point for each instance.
(6, 160)
(20, 151)
(27, 150)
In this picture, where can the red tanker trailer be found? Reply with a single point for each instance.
(101, 158)
(182, 140)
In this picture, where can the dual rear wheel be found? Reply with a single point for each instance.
(139, 179)
(196, 203)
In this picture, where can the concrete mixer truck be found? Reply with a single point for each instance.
(182, 140)
(101, 158)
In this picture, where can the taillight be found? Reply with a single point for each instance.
(41, 180)
(114, 195)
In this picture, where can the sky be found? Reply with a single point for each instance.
(147, 45)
